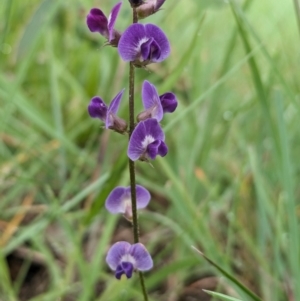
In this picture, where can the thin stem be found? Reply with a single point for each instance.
(134, 15)
(132, 165)
(297, 10)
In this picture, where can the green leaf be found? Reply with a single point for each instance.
(222, 296)
(230, 277)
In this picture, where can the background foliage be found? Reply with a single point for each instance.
(228, 185)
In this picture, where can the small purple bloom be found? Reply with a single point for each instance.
(155, 106)
(119, 200)
(98, 109)
(151, 102)
(148, 8)
(147, 141)
(143, 44)
(124, 258)
(97, 22)
(169, 102)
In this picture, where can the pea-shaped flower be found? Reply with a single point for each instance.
(143, 44)
(119, 200)
(98, 109)
(124, 258)
(147, 141)
(155, 106)
(97, 22)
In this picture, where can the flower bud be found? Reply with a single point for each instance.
(149, 8)
(136, 3)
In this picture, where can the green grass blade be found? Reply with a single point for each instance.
(221, 296)
(230, 277)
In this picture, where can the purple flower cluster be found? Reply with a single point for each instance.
(139, 44)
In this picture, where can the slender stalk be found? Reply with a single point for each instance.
(297, 11)
(132, 165)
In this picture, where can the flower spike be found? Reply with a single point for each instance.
(124, 258)
(143, 45)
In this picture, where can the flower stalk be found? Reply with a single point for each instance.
(130, 162)
(139, 45)
(135, 223)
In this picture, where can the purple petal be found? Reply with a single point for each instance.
(97, 108)
(143, 42)
(130, 42)
(124, 268)
(112, 20)
(161, 39)
(150, 50)
(143, 260)
(155, 148)
(145, 133)
(116, 253)
(119, 200)
(169, 102)
(115, 103)
(151, 100)
(116, 199)
(142, 197)
(148, 8)
(113, 109)
(162, 149)
(152, 149)
(158, 4)
(158, 147)
(97, 22)
(146, 49)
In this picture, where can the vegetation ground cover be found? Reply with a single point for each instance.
(228, 185)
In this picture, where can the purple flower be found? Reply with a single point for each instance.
(151, 102)
(124, 258)
(155, 106)
(98, 109)
(148, 8)
(119, 200)
(169, 102)
(97, 22)
(147, 141)
(143, 44)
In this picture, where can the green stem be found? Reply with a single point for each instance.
(132, 165)
(297, 11)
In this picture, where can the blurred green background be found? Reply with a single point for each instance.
(228, 186)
